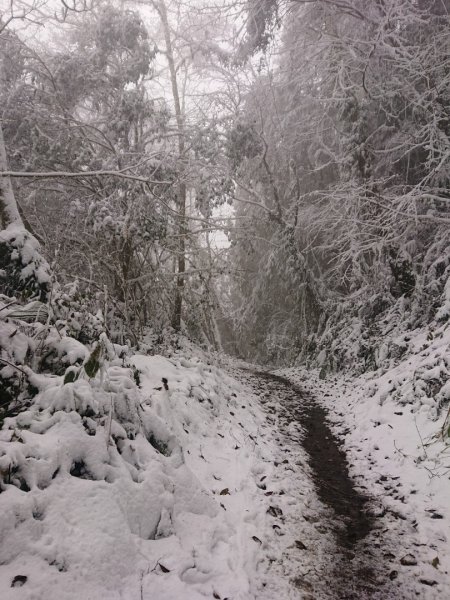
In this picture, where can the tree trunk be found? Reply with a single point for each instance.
(9, 212)
(181, 200)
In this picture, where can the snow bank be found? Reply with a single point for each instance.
(109, 491)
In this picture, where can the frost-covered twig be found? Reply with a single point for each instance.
(400, 451)
(13, 366)
(8, 305)
(421, 440)
(69, 174)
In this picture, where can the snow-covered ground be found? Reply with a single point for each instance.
(135, 477)
(113, 492)
(178, 477)
(394, 426)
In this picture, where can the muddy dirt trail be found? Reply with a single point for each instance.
(356, 570)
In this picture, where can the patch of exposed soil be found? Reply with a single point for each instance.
(328, 464)
(355, 571)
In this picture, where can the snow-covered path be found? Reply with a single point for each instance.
(198, 484)
(335, 540)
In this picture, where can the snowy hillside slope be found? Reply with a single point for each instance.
(109, 490)
(394, 423)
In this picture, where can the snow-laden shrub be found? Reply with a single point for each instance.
(23, 270)
(166, 342)
(15, 350)
(95, 420)
(369, 334)
(51, 381)
(419, 377)
(28, 345)
(31, 350)
(77, 314)
(443, 313)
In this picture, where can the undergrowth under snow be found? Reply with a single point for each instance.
(110, 490)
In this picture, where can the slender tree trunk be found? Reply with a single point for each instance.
(9, 212)
(182, 191)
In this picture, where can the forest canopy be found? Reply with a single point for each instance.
(323, 125)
